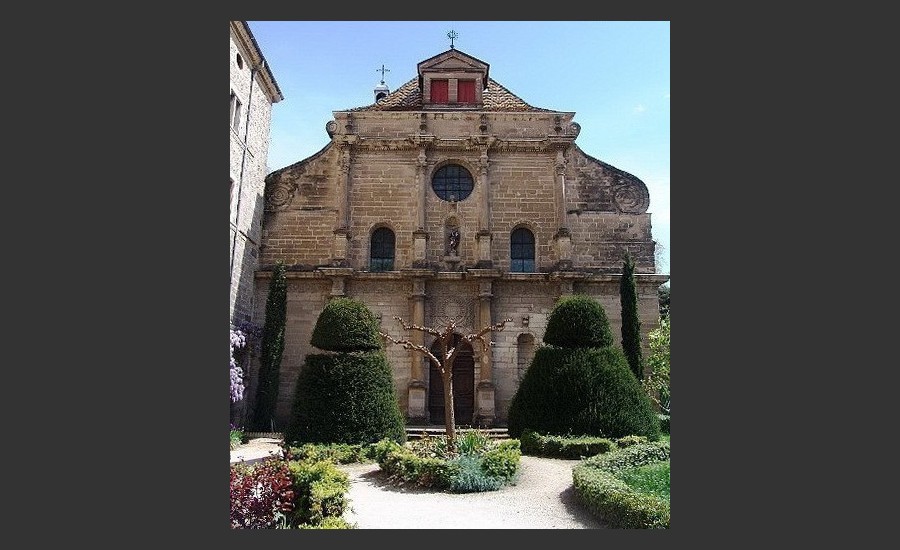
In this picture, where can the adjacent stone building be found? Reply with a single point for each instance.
(452, 198)
(253, 90)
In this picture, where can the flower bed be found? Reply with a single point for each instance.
(477, 464)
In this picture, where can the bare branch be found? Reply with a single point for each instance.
(410, 345)
(480, 334)
(407, 326)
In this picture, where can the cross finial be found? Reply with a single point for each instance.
(382, 70)
(452, 35)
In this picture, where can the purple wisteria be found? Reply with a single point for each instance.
(240, 338)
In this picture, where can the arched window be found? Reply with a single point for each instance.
(452, 183)
(521, 251)
(381, 257)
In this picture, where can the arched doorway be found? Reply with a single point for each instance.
(463, 385)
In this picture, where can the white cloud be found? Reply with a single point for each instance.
(667, 96)
(640, 109)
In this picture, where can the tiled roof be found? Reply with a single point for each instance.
(408, 97)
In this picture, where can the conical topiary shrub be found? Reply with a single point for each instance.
(580, 384)
(346, 396)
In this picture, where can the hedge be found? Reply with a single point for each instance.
(614, 502)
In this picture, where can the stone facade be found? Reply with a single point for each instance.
(383, 168)
(253, 90)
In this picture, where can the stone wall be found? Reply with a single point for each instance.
(249, 147)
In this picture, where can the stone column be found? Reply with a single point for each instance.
(563, 237)
(416, 413)
(484, 213)
(484, 398)
(420, 236)
(342, 224)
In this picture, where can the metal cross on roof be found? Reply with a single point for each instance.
(382, 70)
(452, 35)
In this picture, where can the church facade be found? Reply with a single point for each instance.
(452, 198)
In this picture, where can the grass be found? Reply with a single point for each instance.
(651, 479)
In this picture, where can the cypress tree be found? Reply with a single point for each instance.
(272, 350)
(631, 324)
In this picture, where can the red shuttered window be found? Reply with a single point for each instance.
(440, 91)
(466, 91)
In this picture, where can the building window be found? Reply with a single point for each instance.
(465, 91)
(521, 251)
(235, 112)
(452, 183)
(381, 257)
(440, 91)
(240, 61)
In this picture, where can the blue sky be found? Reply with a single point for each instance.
(614, 75)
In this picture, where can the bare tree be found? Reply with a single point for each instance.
(444, 363)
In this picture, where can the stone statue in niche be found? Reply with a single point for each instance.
(453, 242)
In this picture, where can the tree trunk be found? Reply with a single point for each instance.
(449, 416)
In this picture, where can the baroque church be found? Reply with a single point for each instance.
(452, 198)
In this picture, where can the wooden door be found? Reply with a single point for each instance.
(463, 386)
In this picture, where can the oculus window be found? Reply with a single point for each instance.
(452, 183)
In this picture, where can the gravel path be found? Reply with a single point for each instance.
(542, 498)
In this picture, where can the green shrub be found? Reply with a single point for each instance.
(345, 398)
(570, 447)
(630, 440)
(631, 457)
(235, 438)
(616, 504)
(581, 391)
(577, 447)
(383, 448)
(496, 466)
(578, 321)
(663, 423)
(346, 324)
(471, 478)
(611, 499)
(531, 443)
(339, 453)
(330, 522)
(319, 491)
(502, 462)
(471, 442)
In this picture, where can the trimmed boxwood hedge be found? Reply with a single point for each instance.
(614, 502)
(345, 398)
(556, 446)
(578, 321)
(588, 391)
(319, 491)
(346, 324)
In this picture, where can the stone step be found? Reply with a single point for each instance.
(417, 432)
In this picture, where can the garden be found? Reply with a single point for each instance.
(582, 399)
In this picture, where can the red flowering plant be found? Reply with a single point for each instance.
(260, 494)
